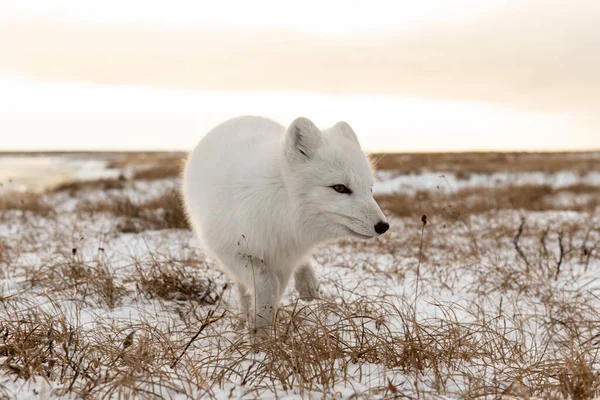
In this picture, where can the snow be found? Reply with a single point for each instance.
(35, 173)
(467, 268)
(390, 182)
(38, 172)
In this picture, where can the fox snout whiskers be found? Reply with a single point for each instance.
(362, 229)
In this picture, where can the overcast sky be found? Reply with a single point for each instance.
(409, 76)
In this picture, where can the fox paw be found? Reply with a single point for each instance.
(308, 292)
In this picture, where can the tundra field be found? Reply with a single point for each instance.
(487, 285)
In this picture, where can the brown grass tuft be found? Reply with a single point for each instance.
(473, 201)
(4, 252)
(163, 212)
(170, 208)
(168, 169)
(137, 159)
(90, 282)
(100, 184)
(464, 164)
(170, 281)
(579, 379)
(28, 202)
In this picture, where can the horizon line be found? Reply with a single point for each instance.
(107, 151)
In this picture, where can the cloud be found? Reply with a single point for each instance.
(534, 55)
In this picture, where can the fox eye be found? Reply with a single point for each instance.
(341, 189)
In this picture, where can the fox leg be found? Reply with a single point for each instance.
(244, 301)
(264, 301)
(306, 282)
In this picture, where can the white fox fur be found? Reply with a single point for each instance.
(260, 198)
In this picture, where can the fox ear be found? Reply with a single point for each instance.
(302, 138)
(344, 129)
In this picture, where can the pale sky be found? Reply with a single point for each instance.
(408, 76)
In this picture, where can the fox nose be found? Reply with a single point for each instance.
(381, 227)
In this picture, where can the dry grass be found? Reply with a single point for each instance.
(99, 184)
(170, 169)
(146, 159)
(92, 283)
(27, 202)
(478, 303)
(4, 253)
(88, 363)
(473, 201)
(163, 212)
(316, 346)
(464, 164)
(172, 281)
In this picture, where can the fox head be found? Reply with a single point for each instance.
(329, 180)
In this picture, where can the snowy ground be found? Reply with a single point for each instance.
(390, 182)
(102, 288)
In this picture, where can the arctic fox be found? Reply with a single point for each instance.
(261, 197)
